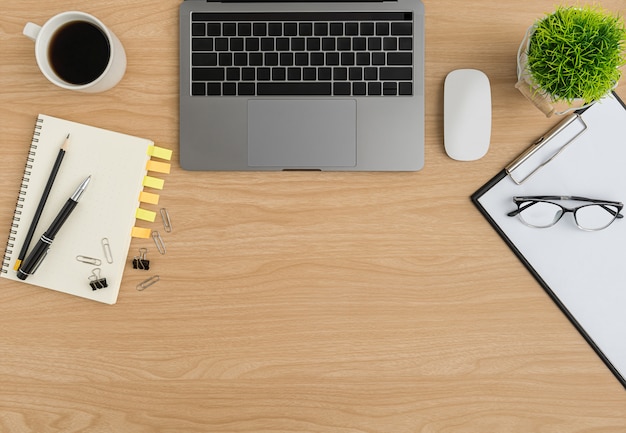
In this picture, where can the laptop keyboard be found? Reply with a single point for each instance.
(325, 54)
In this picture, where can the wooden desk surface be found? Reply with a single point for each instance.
(298, 302)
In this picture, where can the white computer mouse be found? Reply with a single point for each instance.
(466, 114)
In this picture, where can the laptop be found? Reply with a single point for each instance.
(302, 85)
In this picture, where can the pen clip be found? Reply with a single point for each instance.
(538, 146)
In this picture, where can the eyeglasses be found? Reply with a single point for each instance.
(542, 211)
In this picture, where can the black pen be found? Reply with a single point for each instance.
(42, 202)
(38, 253)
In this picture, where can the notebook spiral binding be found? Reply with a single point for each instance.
(20, 197)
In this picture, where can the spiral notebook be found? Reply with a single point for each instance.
(583, 272)
(94, 241)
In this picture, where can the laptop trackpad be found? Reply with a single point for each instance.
(301, 133)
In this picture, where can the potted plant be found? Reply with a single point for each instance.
(571, 58)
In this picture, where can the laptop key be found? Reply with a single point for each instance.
(328, 44)
(396, 74)
(294, 74)
(297, 44)
(207, 74)
(248, 74)
(320, 29)
(279, 74)
(198, 89)
(263, 74)
(255, 59)
(340, 74)
(236, 44)
(244, 29)
(252, 44)
(382, 29)
(271, 59)
(202, 44)
(309, 74)
(213, 89)
(259, 29)
(390, 44)
(226, 59)
(324, 74)
(233, 74)
(370, 74)
(367, 29)
(229, 29)
(341, 89)
(347, 59)
(198, 29)
(336, 29)
(221, 44)
(399, 58)
(214, 29)
(302, 59)
(240, 59)
(275, 29)
(402, 28)
(359, 88)
(204, 59)
(352, 29)
(390, 89)
(267, 44)
(359, 44)
(229, 89)
(378, 58)
(290, 29)
(405, 44)
(294, 88)
(317, 59)
(405, 88)
(374, 44)
(246, 89)
(344, 44)
(374, 88)
(355, 74)
(306, 29)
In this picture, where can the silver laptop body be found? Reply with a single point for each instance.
(302, 85)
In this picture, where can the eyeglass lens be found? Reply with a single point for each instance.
(588, 217)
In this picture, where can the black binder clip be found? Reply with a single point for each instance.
(95, 281)
(140, 261)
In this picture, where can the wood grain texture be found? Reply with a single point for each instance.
(298, 302)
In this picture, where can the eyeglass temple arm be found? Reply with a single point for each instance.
(521, 208)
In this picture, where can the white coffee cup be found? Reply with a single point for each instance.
(71, 51)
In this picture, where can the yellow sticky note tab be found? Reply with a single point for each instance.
(159, 167)
(153, 182)
(140, 232)
(159, 152)
(148, 197)
(146, 215)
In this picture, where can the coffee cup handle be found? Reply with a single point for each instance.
(31, 30)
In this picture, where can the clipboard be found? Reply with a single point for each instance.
(583, 272)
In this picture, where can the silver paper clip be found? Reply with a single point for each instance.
(106, 247)
(158, 240)
(147, 283)
(539, 150)
(167, 222)
(89, 260)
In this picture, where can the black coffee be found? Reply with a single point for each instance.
(79, 52)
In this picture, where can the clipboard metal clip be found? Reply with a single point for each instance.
(535, 150)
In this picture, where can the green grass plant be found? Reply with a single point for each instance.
(576, 53)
